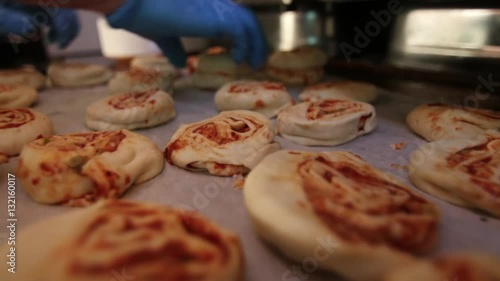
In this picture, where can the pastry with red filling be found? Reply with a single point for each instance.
(326, 122)
(80, 169)
(124, 240)
(228, 144)
(12, 96)
(19, 126)
(439, 121)
(23, 76)
(454, 267)
(265, 97)
(302, 66)
(132, 110)
(75, 75)
(338, 211)
(352, 90)
(465, 172)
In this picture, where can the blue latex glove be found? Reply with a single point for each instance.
(164, 21)
(24, 20)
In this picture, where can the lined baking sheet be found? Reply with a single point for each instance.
(218, 199)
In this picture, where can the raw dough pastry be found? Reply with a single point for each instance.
(134, 80)
(465, 172)
(131, 111)
(78, 74)
(19, 126)
(23, 76)
(79, 169)
(440, 122)
(215, 70)
(326, 122)
(455, 267)
(297, 67)
(265, 97)
(353, 90)
(152, 63)
(123, 240)
(230, 143)
(335, 209)
(12, 96)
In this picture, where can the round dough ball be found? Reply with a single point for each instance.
(79, 169)
(19, 126)
(12, 96)
(327, 122)
(124, 240)
(23, 76)
(78, 74)
(230, 143)
(440, 122)
(354, 219)
(152, 63)
(265, 97)
(298, 59)
(454, 267)
(296, 77)
(461, 171)
(138, 81)
(216, 69)
(353, 90)
(133, 110)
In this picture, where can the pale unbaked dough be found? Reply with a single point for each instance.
(19, 126)
(134, 80)
(114, 240)
(133, 110)
(338, 211)
(75, 75)
(23, 76)
(230, 143)
(214, 70)
(12, 96)
(439, 122)
(265, 97)
(80, 169)
(460, 171)
(326, 122)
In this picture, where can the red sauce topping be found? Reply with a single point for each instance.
(332, 109)
(260, 104)
(344, 195)
(14, 118)
(362, 121)
(136, 99)
(6, 88)
(190, 242)
(240, 88)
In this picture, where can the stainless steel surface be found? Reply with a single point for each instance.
(216, 197)
(288, 30)
(446, 37)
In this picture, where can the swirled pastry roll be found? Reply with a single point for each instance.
(78, 74)
(353, 90)
(230, 143)
(12, 96)
(216, 69)
(301, 66)
(465, 172)
(437, 121)
(326, 122)
(265, 97)
(124, 240)
(133, 110)
(79, 169)
(455, 267)
(334, 207)
(23, 76)
(140, 81)
(19, 126)
(152, 63)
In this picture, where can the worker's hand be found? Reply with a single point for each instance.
(23, 20)
(164, 21)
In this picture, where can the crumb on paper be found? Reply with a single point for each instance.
(239, 182)
(399, 146)
(402, 167)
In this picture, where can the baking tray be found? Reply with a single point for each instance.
(217, 197)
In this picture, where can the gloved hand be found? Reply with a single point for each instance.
(23, 20)
(164, 21)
